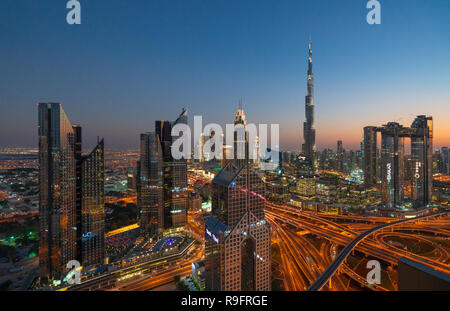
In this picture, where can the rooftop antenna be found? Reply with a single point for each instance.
(240, 103)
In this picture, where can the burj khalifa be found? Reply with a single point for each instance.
(309, 131)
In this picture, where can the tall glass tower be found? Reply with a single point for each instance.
(71, 195)
(57, 191)
(421, 154)
(92, 206)
(150, 184)
(174, 176)
(309, 131)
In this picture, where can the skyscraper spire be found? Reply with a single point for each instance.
(309, 132)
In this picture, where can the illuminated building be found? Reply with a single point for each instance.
(392, 163)
(276, 189)
(198, 273)
(194, 202)
(370, 156)
(445, 161)
(132, 183)
(303, 165)
(71, 211)
(340, 157)
(309, 131)
(240, 142)
(327, 190)
(237, 236)
(201, 145)
(436, 162)
(150, 185)
(306, 186)
(421, 153)
(57, 195)
(392, 168)
(92, 206)
(174, 177)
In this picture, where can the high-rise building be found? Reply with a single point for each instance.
(306, 186)
(392, 163)
(392, 160)
(421, 154)
(445, 160)
(237, 236)
(309, 131)
(370, 156)
(174, 176)
(92, 206)
(201, 146)
(57, 191)
(240, 141)
(340, 156)
(150, 184)
(71, 196)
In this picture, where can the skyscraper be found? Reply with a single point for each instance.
(370, 156)
(444, 160)
(393, 160)
(240, 141)
(309, 131)
(421, 154)
(237, 236)
(392, 163)
(174, 176)
(150, 184)
(92, 206)
(340, 156)
(57, 191)
(71, 211)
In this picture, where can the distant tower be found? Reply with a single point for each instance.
(421, 152)
(309, 131)
(240, 142)
(340, 156)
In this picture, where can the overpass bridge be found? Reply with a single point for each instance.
(334, 266)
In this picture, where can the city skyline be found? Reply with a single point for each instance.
(360, 82)
(197, 146)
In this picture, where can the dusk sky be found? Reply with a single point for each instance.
(131, 62)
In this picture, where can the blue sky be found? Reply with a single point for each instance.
(131, 62)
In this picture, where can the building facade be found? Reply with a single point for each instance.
(237, 236)
(393, 167)
(92, 207)
(71, 196)
(309, 131)
(150, 184)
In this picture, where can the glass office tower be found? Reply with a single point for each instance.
(71, 196)
(421, 154)
(370, 156)
(57, 195)
(392, 164)
(174, 176)
(150, 185)
(92, 206)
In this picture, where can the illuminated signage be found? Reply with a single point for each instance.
(389, 172)
(417, 172)
(212, 235)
